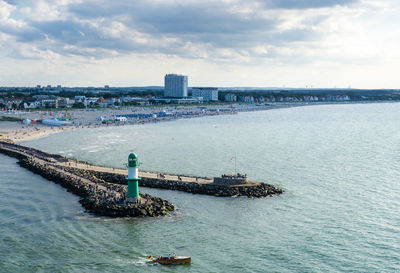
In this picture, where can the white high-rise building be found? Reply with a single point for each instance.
(207, 93)
(175, 86)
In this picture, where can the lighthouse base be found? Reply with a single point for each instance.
(133, 199)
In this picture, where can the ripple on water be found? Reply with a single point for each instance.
(338, 165)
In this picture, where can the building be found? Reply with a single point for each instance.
(230, 97)
(31, 104)
(63, 102)
(230, 180)
(247, 99)
(175, 86)
(92, 101)
(207, 93)
(49, 103)
(80, 99)
(177, 100)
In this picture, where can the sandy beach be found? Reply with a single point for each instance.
(19, 132)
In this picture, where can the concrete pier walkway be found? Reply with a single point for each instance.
(181, 178)
(59, 161)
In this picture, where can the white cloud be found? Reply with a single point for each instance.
(231, 36)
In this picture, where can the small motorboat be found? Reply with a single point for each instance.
(173, 260)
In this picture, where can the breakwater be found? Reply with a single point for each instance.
(98, 197)
(55, 167)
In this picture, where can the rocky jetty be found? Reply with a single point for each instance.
(101, 198)
(98, 197)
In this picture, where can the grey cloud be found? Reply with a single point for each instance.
(70, 32)
(82, 38)
(11, 2)
(167, 18)
(203, 22)
(305, 4)
(208, 24)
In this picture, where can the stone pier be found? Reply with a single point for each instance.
(114, 177)
(98, 197)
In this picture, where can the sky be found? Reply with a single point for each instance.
(226, 43)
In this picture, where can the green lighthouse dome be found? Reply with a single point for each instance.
(133, 160)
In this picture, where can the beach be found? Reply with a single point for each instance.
(95, 118)
(17, 132)
(100, 118)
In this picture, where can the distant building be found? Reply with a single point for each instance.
(247, 99)
(310, 98)
(336, 98)
(175, 86)
(49, 103)
(40, 97)
(63, 102)
(32, 104)
(91, 101)
(207, 93)
(230, 97)
(111, 101)
(102, 102)
(80, 99)
(178, 100)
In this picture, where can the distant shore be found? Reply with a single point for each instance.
(19, 132)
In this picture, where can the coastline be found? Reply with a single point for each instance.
(17, 132)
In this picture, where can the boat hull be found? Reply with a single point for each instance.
(173, 260)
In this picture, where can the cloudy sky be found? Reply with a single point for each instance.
(292, 43)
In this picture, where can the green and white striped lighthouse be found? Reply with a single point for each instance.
(133, 178)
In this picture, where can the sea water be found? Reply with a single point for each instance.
(338, 164)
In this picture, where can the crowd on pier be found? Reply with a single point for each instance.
(234, 176)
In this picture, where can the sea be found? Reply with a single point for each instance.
(338, 164)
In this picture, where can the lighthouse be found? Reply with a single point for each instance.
(133, 178)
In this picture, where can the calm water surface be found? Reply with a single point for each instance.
(339, 165)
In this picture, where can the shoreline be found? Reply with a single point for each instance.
(17, 132)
